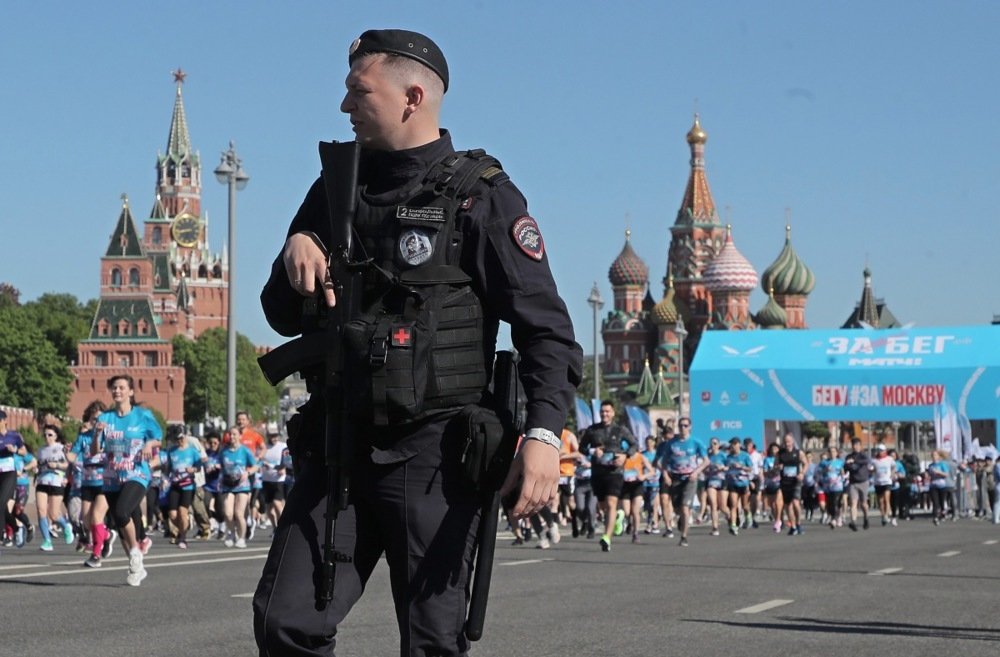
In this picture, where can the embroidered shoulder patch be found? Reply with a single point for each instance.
(528, 238)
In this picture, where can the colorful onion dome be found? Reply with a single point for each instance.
(696, 135)
(628, 268)
(729, 270)
(668, 309)
(772, 315)
(788, 274)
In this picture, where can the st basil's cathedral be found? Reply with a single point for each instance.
(707, 286)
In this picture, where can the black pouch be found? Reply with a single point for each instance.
(483, 434)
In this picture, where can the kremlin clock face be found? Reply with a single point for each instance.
(186, 230)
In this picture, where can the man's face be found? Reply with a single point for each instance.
(685, 427)
(789, 441)
(607, 414)
(855, 447)
(376, 102)
(242, 421)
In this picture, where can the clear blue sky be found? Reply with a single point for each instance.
(875, 122)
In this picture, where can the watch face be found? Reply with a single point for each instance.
(186, 229)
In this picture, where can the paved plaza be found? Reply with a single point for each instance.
(909, 590)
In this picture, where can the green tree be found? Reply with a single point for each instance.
(32, 374)
(586, 387)
(63, 320)
(204, 362)
(10, 296)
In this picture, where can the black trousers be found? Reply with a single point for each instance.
(419, 513)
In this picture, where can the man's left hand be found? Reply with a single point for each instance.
(536, 470)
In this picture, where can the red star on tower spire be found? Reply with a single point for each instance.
(179, 75)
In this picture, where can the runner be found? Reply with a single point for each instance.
(89, 453)
(831, 476)
(610, 443)
(771, 474)
(130, 435)
(756, 483)
(651, 491)
(793, 463)
(715, 481)
(50, 486)
(213, 485)
(937, 471)
(583, 496)
(858, 466)
(181, 461)
(273, 476)
(635, 472)
(739, 470)
(682, 459)
(238, 463)
(24, 465)
(11, 445)
(884, 474)
(569, 453)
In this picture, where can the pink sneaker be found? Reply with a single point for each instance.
(777, 526)
(145, 544)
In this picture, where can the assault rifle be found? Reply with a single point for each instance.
(324, 347)
(507, 404)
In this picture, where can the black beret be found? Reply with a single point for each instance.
(402, 42)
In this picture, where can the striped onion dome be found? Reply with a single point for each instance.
(668, 309)
(729, 270)
(788, 274)
(772, 315)
(628, 268)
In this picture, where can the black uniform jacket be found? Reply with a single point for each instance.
(514, 285)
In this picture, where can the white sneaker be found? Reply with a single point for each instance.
(893, 522)
(554, 534)
(229, 542)
(134, 579)
(241, 543)
(136, 573)
(543, 543)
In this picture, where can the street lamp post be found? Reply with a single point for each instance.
(596, 302)
(230, 172)
(681, 333)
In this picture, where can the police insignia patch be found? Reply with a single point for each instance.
(415, 246)
(528, 238)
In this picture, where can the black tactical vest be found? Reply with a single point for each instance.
(418, 344)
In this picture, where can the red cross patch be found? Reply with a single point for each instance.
(528, 237)
(402, 336)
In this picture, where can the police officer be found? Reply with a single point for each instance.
(438, 237)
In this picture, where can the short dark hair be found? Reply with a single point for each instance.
(855, 441)
(607, 402)
(128, 379)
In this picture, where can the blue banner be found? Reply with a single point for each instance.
(739, 379)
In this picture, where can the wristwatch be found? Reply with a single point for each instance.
(544, 436)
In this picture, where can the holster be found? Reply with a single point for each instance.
(483, 433)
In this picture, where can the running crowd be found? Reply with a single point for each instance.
(119, 480)
(608, 480)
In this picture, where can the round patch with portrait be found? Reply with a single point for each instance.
(415, 246)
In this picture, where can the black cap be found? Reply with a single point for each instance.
(402, 42)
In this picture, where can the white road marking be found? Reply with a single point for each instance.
(993, 542)
(525, 561)
(950, 553)
(764, 606)
(885, 571)
(241, 595)
(81, 569)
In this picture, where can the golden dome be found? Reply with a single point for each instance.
(696, 134)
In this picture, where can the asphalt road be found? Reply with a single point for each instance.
(910, 590)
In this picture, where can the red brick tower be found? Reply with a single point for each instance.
(124, 337)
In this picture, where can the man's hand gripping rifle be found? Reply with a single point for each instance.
(325, 346)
